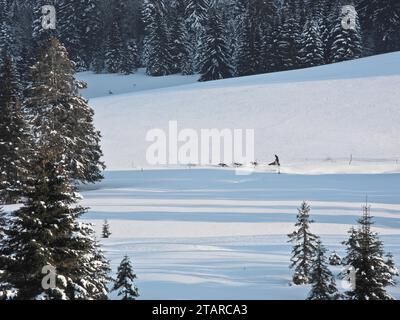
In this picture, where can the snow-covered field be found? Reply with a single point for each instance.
(314, 119)
(208, 233)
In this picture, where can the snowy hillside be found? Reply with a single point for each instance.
(313, 118)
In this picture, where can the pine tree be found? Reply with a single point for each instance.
(216, 64)
(46, 232)
(114, 52)
(254, 51)
(367, 10)
(393, 271)
(312, 47)
(247, 51)
(326, 22)
(380, 25)
(3, 230)
(157, 43)
(91, 27)
(196, 19)
(106, 233)
(69, 28)
(189, 64)
(5, 37)
(179, 36)
(196, 12)
(346, 42)
(124, 283)
(80, 26)
(130, 58)
(269, 50)
(366, 255)
(322, 281)
(288, 40)
(3, 254)
(386, 22)
(60, 117)
(304, 246)
(98, 64)
(265, 12)
(335, 259)
(14, 135)
(3, 224)
(7, 29)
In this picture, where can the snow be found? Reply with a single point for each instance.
(101, 85)
(340, 118)
(206, 233)
(209, 234)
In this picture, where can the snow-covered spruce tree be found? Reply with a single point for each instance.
(346, 42)
(98, 61)
(196, 12)
(179, 37)
(265, 12)
(189, 59)
(3, 224)
(20, 14)
(46, 232)
(158, 58)
(79, 25)
(130, 57)
(248, 49)
(90, 29)
(366, 10)
(393, 270)
(3, 229)
(380, 25)
(5, 36)
(288, 39)
(114, 50)
(14, 135)
(106, 233)
(60, 117)
(304, 246)
(216, 63)
(122, 54)
(254, 46)
(10, 27)
(312, 48)
(196, 19)
(69, 29)
(366, 255)
(269, 49)
(4, 286)
(324, 12)
(335, 259)
(3, 9)
(323, 286)
(124, 283)
(386, 22)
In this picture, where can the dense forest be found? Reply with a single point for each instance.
(216, 38)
